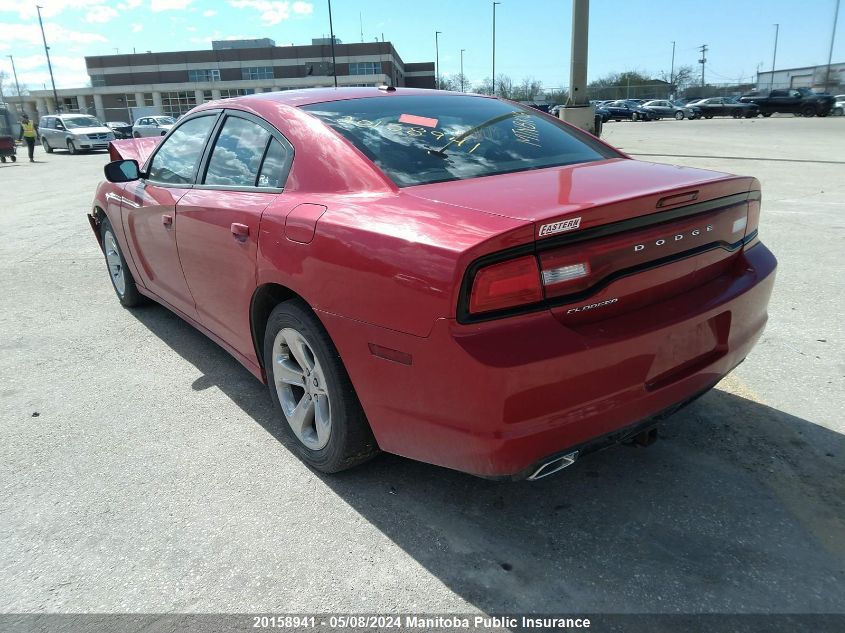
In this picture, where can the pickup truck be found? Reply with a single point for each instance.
(798, 101)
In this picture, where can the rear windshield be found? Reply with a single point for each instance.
(417, 140)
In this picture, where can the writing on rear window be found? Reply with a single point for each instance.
(421, 139)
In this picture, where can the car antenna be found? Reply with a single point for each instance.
(387, 88)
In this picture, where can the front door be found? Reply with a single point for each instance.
(149, 212)
(219, 223)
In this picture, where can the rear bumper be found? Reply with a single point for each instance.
(495, 399)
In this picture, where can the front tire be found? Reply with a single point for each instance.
(679, 116)
(310, 386)
(121, 279)
(71, 148)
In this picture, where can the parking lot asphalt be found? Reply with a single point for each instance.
(142, 469)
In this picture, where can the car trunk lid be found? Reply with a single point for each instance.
(599, 227)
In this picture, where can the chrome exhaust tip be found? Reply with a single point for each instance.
(554, 465)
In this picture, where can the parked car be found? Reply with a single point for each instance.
(724, 106)
(9, 130)
(603, 112)
(663, 108)
(839, 105)
(627, 110)
(798, 101)
(453, 278)
(73, 132)
(697, 112)
(120, 129)
(152, 126)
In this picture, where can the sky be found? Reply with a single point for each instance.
(532, 39)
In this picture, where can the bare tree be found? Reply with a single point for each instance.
(456, 82)
(683, 77)
(557, 97)
(485, 87)
(527, 90)
(504, 87)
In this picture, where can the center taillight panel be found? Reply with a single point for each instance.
(589, 265)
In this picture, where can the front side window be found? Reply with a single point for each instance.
(424, 139)
(177, 159)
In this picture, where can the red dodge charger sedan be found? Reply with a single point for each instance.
(453, 278)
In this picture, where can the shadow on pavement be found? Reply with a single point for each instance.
(739, 508)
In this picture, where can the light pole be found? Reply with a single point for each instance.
(49, 65)
(494, 47)
(17, 85)
(462, 69)
(437, 58)
(331, 35)
(830, 54)
(672, 72)
(774, 56)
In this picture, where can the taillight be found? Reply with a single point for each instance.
(505, 285)
(753, 222)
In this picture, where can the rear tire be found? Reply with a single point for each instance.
(14, 158)
(136, 134)
(309, 385)
(808, 110)
(838, 111)
(122, 280)
(46, 145)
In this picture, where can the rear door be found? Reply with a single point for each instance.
(149, 211)
(244, 171)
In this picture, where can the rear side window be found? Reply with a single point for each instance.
(423, 139)
(275, 166)
(246, 154)
(236, 157)
(178, 157)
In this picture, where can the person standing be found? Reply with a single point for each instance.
(28, 131)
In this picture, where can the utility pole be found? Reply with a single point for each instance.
(774, 56)
(494, 47)
(361, 26)
(437, 58)
(462, 69)
(672, 73)
(830, 54)
(49, 65)
(578, 110)
(331, 34)
(703, 61)
(18, 86)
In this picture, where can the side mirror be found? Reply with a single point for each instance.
(59, 125)
(122, 171)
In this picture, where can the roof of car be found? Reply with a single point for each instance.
(308, 96)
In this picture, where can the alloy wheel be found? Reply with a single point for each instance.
(302, 389)
(114, 263)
